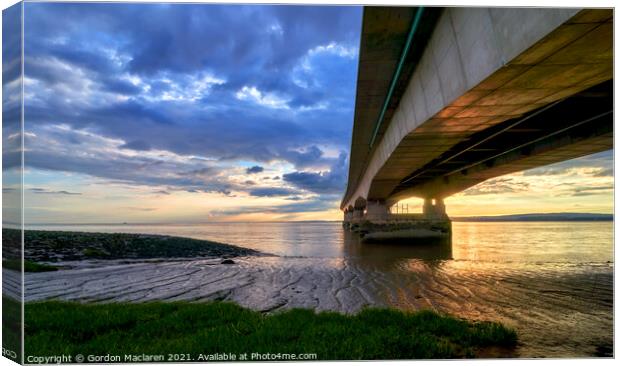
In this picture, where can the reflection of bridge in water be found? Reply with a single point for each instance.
(375, 256)
(448, 98)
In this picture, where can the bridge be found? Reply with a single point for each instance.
(450, 97)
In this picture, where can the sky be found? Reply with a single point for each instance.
(193, 113)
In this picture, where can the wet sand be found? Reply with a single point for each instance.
(559, 311)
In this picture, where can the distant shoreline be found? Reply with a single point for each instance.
(538, 217)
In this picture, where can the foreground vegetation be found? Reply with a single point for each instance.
(207, 328)
(11, 328)
(16, 265)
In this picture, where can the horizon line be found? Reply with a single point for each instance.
(277, 221)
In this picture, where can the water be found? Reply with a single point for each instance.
(507, 242)
(552, 281)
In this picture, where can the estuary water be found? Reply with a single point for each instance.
(552, 281)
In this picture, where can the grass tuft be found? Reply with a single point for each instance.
(29, 266)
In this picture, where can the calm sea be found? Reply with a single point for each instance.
(553, 281)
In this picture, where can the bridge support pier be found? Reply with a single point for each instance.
(348, 218)
(353, 216)
(436, 210)
(374, 222)
(377, 212)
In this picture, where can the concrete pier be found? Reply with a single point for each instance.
(375, 223)
(436, 209)
(377, 212)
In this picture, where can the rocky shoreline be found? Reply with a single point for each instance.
(68, 246)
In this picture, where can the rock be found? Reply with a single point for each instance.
(228, 261)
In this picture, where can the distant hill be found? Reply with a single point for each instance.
(562, 216)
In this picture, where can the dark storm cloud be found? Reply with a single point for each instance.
(310, 156)
(235, 37)
(331, 181)
(255, 169)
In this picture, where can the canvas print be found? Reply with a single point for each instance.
(194, 182)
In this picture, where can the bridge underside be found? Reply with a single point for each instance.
(576, 126)
(491, 92)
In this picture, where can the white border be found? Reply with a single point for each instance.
(498, 3)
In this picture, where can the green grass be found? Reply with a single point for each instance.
(206, 328)
(94, 253)
(29, 266)
(11, 327)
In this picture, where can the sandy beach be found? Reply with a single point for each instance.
(527, 301)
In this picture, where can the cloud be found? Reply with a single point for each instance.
(46, 191)
(497, 186)
(588, 191)
(136, 145)
(255, 169)
(546, 171)
(204, 173)
(605, 173)
(600, 164)
(99, 157)
(133, 72)
(271, 192)
(268, 100)
(184, 97)
(168, 172)
(306, 157)
(560, 183)
(330, 181)
(142, 209)
(303, 206)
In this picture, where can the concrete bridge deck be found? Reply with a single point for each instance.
(450, 97)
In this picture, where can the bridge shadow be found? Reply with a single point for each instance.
(392, 254)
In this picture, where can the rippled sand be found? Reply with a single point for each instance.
(558, 311)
